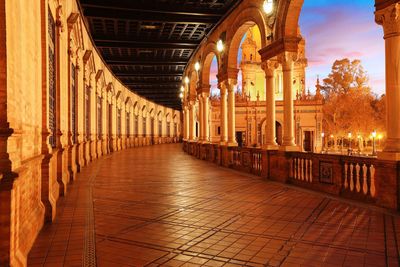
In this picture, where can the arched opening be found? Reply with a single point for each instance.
(278, 132)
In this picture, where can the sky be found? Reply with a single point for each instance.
(337, 29)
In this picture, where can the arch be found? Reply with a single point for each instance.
(288, 14)
(208, 56)
(247, 18)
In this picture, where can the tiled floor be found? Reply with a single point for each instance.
(156, 206)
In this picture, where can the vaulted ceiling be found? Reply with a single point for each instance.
(147, 43)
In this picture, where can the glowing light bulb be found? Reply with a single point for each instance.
(220, 46)
(186, 79)
(268, 6)
(197, 66)
(182, 89)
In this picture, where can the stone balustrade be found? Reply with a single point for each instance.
(362, 179)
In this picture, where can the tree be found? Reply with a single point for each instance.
(345, 75)
(350, 105)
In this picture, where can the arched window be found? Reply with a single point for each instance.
(99, 117)
(144, 126)
(136, 125)
(73, 103)
(119, 123)
(52, 79)
(87, 113)
(128, 124)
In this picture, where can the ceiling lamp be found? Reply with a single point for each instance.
(197, 66)
(220, 46)
(268, 6)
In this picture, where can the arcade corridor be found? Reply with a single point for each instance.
(156, 205)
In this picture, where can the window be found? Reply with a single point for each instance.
(175, 129)
(119, 123)
(128, 124)
(52, 80)
(168, 129)
(87, 113)
(144, 126)
(99, 117)
(136, 125)
(73, 103)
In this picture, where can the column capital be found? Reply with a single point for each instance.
(287, 60)
(230, 73)
(203, 88)
(389, 18)
(269, 66)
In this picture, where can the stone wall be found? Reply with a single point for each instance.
(34, 171)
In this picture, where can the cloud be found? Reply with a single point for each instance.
(341, 29)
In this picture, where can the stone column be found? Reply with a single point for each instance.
(184, 122)
(201, 122)
(288, 119)
(223, 115)
(191, 121)
(389, 18)
(231, 113)
(187, 120)
(206, 128)
(270, 132)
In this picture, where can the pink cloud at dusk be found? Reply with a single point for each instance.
(339, 30)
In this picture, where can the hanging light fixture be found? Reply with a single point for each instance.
(220, 45)
(268, 6)
(197, 66)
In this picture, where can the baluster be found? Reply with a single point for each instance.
(365, 185)
(311, 176)
(301, 170)
(358, 185)
(345, 175)
(351, 177)
(372, 186)
(295, 169)
(298, 169)
(291, 168)
(306, 170)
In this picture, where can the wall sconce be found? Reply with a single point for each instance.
(268, 6)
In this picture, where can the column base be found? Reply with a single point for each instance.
(231, 144)
(270, 147)
(392, 156)
(289, 148)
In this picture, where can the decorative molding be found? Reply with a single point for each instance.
(287, 44)
(388, 17)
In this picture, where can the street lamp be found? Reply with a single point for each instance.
(349, 136)
(322, 140)
(268, 6)
(373, 143)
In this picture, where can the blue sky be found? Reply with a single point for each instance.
(336, 29)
